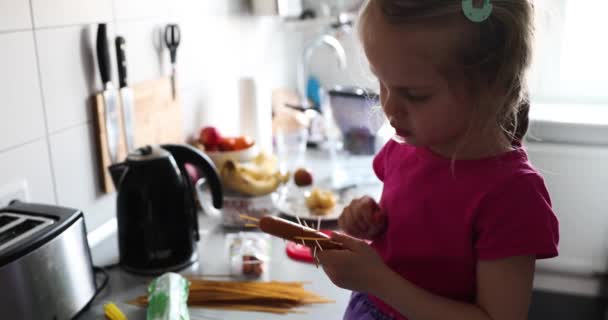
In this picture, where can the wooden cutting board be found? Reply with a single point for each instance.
(158, 119)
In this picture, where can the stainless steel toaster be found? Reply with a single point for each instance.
(46, 271)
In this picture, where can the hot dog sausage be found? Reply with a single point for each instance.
(288, 230)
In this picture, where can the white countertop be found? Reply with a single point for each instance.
(124, 286)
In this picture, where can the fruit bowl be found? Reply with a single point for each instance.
(221, 148)
(219, 157)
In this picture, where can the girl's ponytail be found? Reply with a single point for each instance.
(522, 121)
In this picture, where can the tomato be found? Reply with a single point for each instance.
(243, 142)
(227, 144)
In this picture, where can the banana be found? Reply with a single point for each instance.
(254, 171)
(266, 162)
(248, 181)
(259, 173)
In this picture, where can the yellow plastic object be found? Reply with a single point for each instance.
(113, 312)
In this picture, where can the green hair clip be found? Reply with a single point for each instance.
(477, 14)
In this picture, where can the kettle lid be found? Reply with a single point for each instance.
(148, 153)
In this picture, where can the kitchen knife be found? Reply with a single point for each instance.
(126, 94)
(110, 99)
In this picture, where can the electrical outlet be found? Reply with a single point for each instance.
(14, 191)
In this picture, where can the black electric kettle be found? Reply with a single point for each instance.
(156, 209)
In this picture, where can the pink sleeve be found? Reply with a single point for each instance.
(380, 160)
(517, 220)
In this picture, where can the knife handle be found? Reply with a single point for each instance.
(121, 60)
(103, 54)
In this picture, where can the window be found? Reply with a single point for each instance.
(571, 58)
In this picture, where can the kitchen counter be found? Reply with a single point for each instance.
(123, 286)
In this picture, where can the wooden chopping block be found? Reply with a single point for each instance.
(158, 120)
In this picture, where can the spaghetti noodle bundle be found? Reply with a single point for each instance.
(272, 296)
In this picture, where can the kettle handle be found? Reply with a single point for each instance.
(186, 154)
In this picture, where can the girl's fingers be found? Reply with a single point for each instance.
(347, 241)
(361, 218)
(360, 221)
(346, 221)
(368, 211)
(378, 223)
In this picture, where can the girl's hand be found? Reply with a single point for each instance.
(351, 268)
(363, 218)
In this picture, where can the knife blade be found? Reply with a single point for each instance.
(126, 94)
(110, 99)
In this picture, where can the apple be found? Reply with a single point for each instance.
(210, 137)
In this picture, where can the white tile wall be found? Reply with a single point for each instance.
(29, 163)
(147, 57)
(137, 9)
(69, 12)
(21, 116)
(69, 73)
(75, 165)
(181, 9)
(198, 40)
(15, 14)
(76, 179)
(192, 104)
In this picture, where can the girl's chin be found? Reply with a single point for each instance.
(404, 140)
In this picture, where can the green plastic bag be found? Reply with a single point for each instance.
(168, 298)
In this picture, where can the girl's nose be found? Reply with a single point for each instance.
(391, 107)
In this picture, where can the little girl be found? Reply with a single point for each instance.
(463, 214)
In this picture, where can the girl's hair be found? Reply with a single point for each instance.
(497, 58)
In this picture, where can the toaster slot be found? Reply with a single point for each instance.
(5, 220)
(20, 228)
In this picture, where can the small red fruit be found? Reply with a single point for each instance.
(227, 144)
(210, 137)
(243, 142)
(212, 147)
(302, 177)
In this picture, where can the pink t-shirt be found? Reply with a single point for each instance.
(444, 216)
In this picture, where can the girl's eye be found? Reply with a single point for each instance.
(414, 96)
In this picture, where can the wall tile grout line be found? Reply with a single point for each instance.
(70, 127)
(50, 133)
(73, 25)
(9, 31)
(44, 106)
(21, 144)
